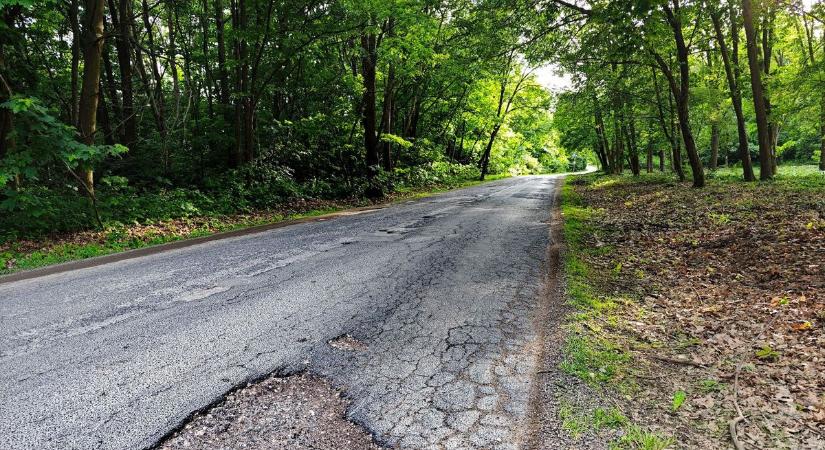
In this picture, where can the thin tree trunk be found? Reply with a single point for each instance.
(207, 66)
(387, 119)
(669, 129)
(7, 139)
(732, 75)
(103, 117)
(714, 146)
(601, 145)
(681, 92)
(485, 159)
(74, 22)
(122, 21)
(822, 131)
(368, 63)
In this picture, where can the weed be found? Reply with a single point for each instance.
(638, 439)
(766, 353)
(679, 398)
(708, 386)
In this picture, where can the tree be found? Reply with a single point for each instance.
(89, 94)
(732, 76)
(759, 105)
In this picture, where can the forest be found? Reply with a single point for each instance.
(168, 109)
(673, 276)
(123, 113)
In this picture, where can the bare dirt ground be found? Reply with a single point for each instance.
(719, 307)
(300, 411)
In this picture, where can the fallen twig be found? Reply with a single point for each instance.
(686, 362)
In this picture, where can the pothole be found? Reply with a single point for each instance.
(347, 343)
(295, 412)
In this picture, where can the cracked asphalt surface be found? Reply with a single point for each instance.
(442, 292)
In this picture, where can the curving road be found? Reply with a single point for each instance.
(442, 293)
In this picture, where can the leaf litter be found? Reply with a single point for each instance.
(727, 290)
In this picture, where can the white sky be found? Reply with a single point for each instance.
(548, 78)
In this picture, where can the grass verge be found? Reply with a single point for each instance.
(590, 352)
(691, 304)
(28, 254)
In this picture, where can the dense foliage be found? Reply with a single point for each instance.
(694, 82)
(131, 109)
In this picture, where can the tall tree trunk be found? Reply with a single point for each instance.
(103, 117)
(387, 119)
(368, 63)
(111, 92)
(172, 54)
(74, 22)
(488, 149)
(602, 147)
(669, 130)
(714, 146)
(207, 63)
(676, 156)
(822, 131)
(157, 93)
(732, 75)
(649, 160)
(635, 165)
(7, 140)
(90, 91)
(768, 18)
(122, 22)
(821, 110)
(681, 92)
(244, 105)
(765, 162)
(662, 162)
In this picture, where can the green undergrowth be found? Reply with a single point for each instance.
(117, 237)
(590, 353)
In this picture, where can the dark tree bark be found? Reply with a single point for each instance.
(7, 141)
(244, 105)
(505, 102)
(223, 74)
(368, 63)
(767, 29)
(765, 161)
(156, 91)
(681, 91)
(387, 119)
(601, 141)
(669, 130)
(207, 67)
(74, 22)
(90, 91)
(732, 75)
(649, 157)
(110, 90)
(103, 118)
(822, 132)
(714, 145)
(122, 22)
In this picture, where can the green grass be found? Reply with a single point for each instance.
(636, 438)
(116, 238)
(577, 422)
(588, 354)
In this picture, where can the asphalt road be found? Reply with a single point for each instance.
(442, 292)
